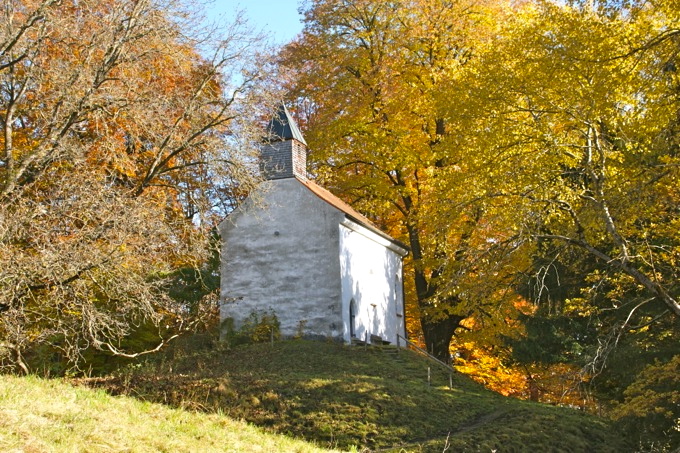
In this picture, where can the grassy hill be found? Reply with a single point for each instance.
(53, 416)
(342, 397)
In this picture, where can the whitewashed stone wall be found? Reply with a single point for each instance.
(282, 255)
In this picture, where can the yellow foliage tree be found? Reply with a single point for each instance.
(592, 110)
(371, 77)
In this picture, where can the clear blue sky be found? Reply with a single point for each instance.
(277, 18)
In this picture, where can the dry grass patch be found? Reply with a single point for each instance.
(52, 416)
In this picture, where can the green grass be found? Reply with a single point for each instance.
(348, 397)
(54, 416)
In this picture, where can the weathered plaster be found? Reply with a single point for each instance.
(281, 254)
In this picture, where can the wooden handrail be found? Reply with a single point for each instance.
(422, 351)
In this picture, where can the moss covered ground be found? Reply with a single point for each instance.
(361, 399)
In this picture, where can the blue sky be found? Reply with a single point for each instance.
(278, 18)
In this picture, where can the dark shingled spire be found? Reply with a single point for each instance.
(283, 127)
(284, 151)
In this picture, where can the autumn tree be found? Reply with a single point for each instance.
(650, 410)
(369, 81)
(586, 96)
(122, 134)
(593, 104)
(500, 145)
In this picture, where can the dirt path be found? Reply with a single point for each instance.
(466, 427)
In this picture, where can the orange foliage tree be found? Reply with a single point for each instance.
(121, 136)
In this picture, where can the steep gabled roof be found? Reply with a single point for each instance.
(350, 212)
(283, 127)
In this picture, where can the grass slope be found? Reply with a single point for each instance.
(342, 397)
(53, 416)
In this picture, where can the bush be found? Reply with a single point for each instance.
(258, 327)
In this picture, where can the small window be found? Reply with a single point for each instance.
(352, 316)
(397, 296)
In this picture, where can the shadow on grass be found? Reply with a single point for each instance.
(340, 397)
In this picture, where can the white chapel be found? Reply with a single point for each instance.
(295, 250)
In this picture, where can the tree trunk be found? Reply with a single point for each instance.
(438, 335)
(18, 358)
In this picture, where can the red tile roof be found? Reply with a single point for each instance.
(353, 214)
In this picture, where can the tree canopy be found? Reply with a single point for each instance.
(511, 146)
(121, 136)
(381, 133)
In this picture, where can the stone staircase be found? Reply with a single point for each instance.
(377, 343)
